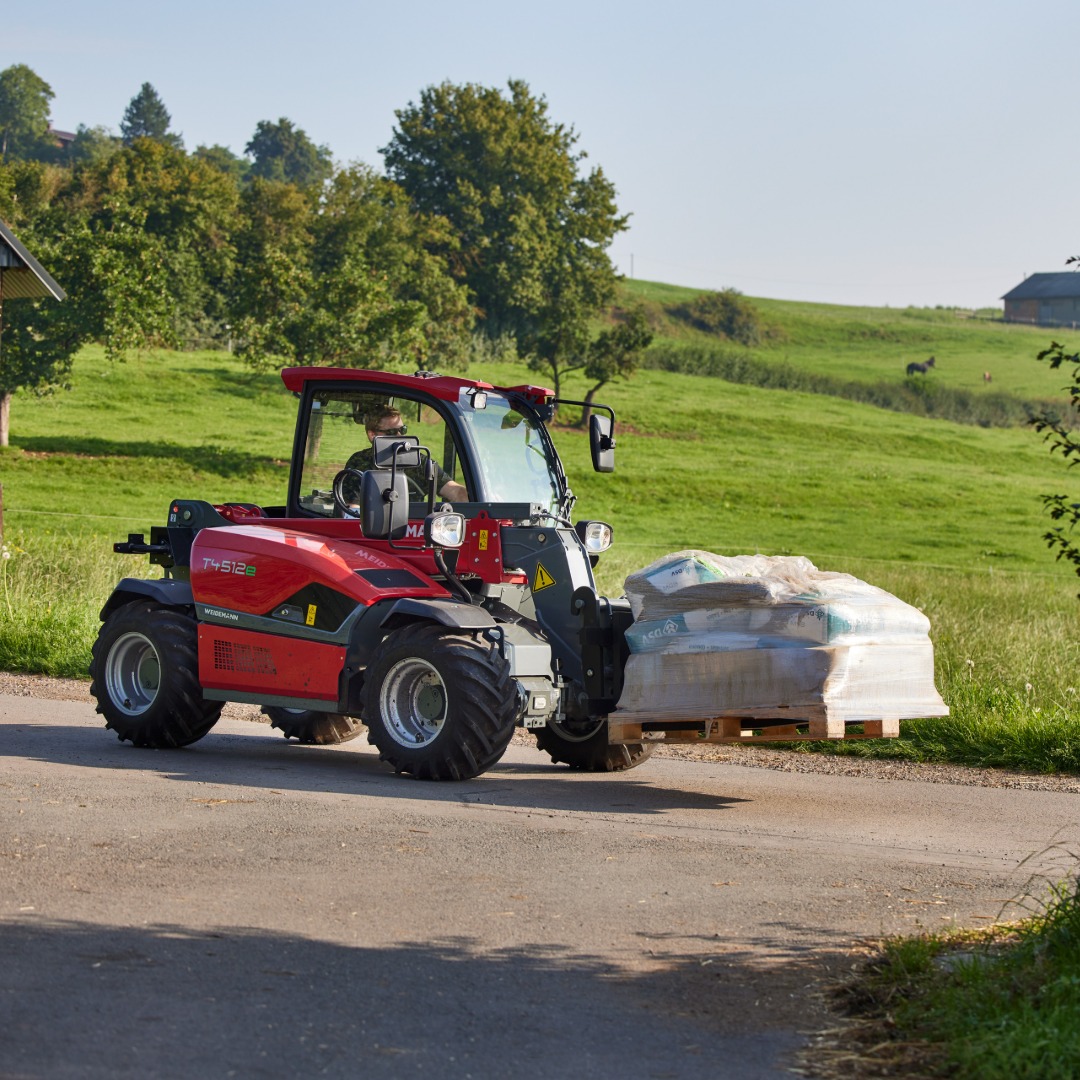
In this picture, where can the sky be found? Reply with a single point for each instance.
(871, 153)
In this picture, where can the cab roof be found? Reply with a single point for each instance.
(444, 387)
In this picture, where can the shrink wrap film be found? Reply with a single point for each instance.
(718, 635)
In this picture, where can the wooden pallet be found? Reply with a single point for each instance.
(779, 724)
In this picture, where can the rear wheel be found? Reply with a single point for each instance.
(312, 727)
(145, 671)
(439, 704)
(586, 747)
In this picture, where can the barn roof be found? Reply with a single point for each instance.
(22, 277)
(1063, 284)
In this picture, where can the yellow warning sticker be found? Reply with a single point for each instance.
(310, 620)
(542, 579)
(483, 542)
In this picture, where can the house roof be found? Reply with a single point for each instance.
(1057, 286)
(22, 277)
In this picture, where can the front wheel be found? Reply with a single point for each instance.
(145, 671)
(439, 704)
(312, 727)
(587, 748)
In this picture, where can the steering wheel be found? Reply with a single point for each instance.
(348, 506)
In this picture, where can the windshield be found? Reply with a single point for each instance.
(510, 454)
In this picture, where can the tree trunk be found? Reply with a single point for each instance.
(5, 413)
(586, 411)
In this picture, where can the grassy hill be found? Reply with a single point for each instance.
(945, 515)
(873, 344)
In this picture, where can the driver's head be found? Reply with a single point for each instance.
(385, 420)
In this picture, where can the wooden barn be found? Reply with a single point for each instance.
(1045, 300)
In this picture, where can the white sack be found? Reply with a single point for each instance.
(715, 635)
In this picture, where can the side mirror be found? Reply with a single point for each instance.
(405, 447)
(384, 506)
(602, 442)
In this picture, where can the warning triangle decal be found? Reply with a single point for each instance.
(543, 579)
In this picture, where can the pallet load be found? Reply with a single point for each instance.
(752, 648)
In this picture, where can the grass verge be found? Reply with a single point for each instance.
(999, 1003)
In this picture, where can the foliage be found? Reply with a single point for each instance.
(993, 1004)
(221, 157)
(147, 118)
(171, 216)
(346, 280)
(24, 113)
(727, 313)
(1062, 437)
(615, 353)
(530, 231)
(283, 152)
(90, 144)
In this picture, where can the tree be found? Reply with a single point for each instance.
(24, 113)
(727, 312)
(185, 212)
(147, 118)
(40, 337)
(283, 152)
(531, 232)
(221, 157)
(365, 215)
(615, 354)
(90, 144)
(342, 280)
(1062, 437)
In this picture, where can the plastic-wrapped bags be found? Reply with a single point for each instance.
(721, 635)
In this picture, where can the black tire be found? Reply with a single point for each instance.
(145, 672)
(313, 728)
(439, 704)
(589, 749)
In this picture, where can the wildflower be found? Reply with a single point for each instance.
(1028, 687)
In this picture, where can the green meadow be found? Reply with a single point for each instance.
(945, 515)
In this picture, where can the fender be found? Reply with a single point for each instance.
(168, 591)
(452, 613)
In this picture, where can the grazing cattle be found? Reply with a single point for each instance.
(921, 369)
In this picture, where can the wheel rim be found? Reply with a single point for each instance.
(133, 674)
(413, 703)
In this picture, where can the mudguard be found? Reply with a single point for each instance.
(450, 613)
(168, 591)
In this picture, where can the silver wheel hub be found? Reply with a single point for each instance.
(133, 673)
(413, 703)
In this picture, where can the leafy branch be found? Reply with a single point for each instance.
(1059, 432)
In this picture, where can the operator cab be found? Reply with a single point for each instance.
(487, 447)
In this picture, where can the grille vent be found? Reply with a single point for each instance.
(230, 656)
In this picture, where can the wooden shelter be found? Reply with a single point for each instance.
(1045, 300)
(22, 277)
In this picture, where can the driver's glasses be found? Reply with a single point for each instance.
(403, 430)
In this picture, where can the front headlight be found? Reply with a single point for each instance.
(444, 529)
(595, 535)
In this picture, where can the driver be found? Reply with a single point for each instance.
(386, 420)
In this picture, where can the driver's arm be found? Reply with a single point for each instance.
(453, 491)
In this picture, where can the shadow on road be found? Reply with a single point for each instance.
(267, 761)
(89, 1001)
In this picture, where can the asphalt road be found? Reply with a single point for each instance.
(251, 908)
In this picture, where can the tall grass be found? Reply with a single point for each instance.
(50, 593)
(999, 1004)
